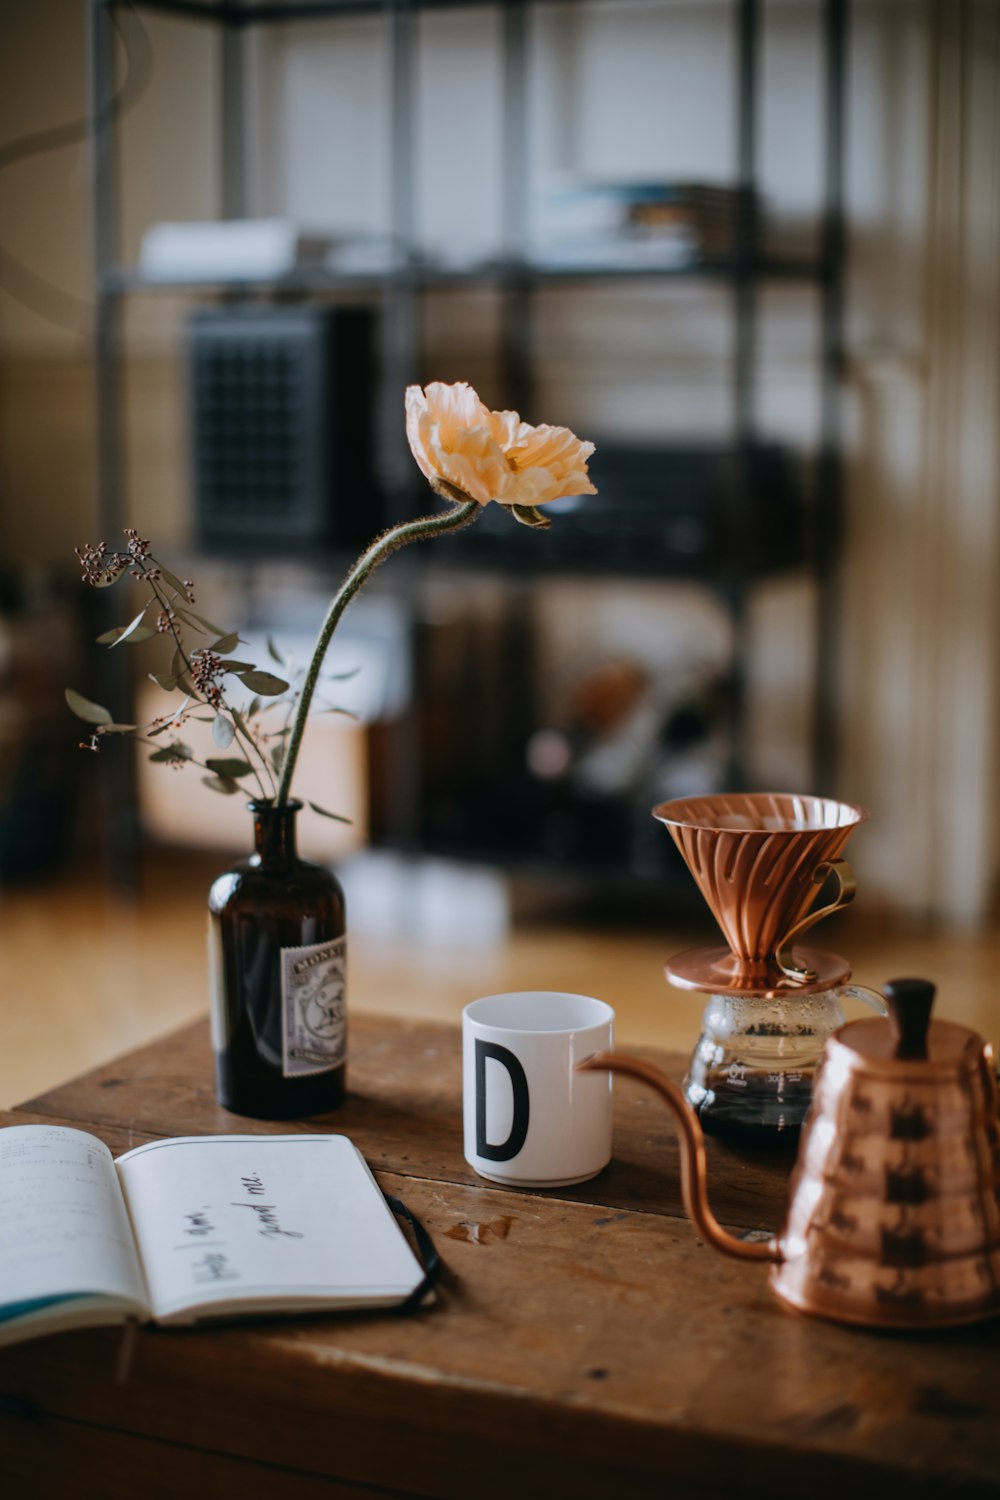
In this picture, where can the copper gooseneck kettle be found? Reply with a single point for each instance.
(893, 1217)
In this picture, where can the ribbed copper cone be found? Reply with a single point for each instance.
(755, 856)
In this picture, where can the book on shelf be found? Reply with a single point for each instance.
(636, 225)
(241, 250)
(189, 1229)
(229, 250)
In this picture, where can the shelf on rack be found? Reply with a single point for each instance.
(128, 280)
(687, 513)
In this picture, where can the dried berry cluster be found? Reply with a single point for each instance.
(99, 567)
(206, 669)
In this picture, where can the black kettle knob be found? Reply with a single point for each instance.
(909, 1002)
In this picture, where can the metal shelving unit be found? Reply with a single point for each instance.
(511, 273)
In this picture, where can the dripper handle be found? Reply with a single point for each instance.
(847, 885)
(909, 1002)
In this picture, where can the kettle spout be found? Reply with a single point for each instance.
(693, 1166)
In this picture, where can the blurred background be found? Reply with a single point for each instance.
(751, 248)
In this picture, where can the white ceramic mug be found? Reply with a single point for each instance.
(530, 1119)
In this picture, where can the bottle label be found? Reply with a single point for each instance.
(217, 987)
(314, 1007)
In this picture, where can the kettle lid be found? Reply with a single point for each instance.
(907, 1036)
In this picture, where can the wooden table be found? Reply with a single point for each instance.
(584, 1343)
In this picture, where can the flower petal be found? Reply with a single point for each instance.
(505, 426)
(550, 448)
(460, 472)
(455, 408)
(416, 415)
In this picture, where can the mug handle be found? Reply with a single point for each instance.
(847, 886)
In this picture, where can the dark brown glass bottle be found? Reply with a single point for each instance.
(277, 958)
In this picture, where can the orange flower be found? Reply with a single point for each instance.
(468, 452)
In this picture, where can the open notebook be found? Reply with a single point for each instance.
(190, 1228)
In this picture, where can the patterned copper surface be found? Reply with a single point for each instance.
(893, 1218)
(894, 1214)
(755, 858)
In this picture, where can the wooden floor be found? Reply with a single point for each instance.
(87, 975)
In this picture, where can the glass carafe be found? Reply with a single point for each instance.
(751, 1072)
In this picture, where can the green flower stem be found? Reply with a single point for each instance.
(383, 546)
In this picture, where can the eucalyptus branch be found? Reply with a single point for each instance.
(180, 759)
(383, 546)
(251, 744)
(178, 640)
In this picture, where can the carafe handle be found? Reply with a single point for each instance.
(694, 1185)
(867, 997)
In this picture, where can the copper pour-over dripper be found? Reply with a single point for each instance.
(760, 860)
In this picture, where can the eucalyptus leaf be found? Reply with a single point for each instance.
(133, 633)
(195, 624)
(178, 666)
(171, 578)
(348, 713)
(239, 667)
(223, 731)
(530, 515)
(274, 653)
(341, 676)
(132, 630)
(164, 680)
(199, 623)
(278, 755)
(254, 708)
(91, 713)
(118, 728)
(220, 784)
(168, 754)
(230, 770)
(265, 683)
(172, 719)
(226, 643)
(324, 814)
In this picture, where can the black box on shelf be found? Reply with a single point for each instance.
(282, 402)
(701, 511)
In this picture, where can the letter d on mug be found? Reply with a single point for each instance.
(530, 1119)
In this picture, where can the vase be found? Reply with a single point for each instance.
(277, 964)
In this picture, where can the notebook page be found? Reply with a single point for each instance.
(228, 1222)
(64, 1229)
